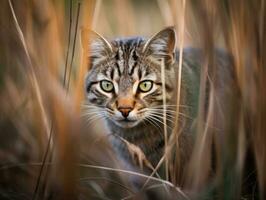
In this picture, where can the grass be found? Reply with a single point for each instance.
(45, 151)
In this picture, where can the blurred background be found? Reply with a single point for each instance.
(46, 151)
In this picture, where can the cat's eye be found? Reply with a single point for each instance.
(145, 86)
(107, 86)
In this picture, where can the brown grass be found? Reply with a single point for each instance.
(47, 153)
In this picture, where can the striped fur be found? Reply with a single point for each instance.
(126, 63)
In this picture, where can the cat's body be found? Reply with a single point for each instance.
(150, 137)
(117, 86)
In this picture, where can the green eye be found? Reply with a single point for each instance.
(145, 86)
(106, 86)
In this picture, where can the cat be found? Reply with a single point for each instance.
(124, 86)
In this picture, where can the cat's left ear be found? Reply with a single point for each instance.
(162, 45)
(97, 46)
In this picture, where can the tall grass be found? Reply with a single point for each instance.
(46, 152)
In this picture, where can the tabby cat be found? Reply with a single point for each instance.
(124, 86)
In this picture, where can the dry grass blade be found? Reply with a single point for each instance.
(68, 41)
(166, 158)
(38, 95)
(133, 173)
(74, 46)
(137, 154)
(175, 132)
(32, 72)
(220, 64)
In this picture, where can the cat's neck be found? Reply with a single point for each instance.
(148, 137)
(138, 132)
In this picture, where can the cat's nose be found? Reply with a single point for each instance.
(125, 105)
(125, 111)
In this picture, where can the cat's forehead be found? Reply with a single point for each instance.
(127, 51)
(128, 56)
(128, 43)
(126, 62)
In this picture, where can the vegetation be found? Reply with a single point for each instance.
(46, 152)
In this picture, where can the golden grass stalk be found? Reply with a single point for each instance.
(34, 95)
(32, 71)
(176, 131)
(166, 158)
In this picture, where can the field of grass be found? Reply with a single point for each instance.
(45, 150)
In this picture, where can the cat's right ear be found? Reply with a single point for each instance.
(97, 46)
(162, 45)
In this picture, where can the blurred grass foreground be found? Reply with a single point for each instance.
(47, 153)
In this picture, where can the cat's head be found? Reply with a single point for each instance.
(124, 82)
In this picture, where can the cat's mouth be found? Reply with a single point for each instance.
(126, 123)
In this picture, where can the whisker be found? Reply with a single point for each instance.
(154, 118)
(94, 118)
(180, 113)
(93, 113)
(161, 117)
(90, 113)
(154, 124)
(156, 110)
(160, 109)
(91, 106)
(160, 112)
(173, 105)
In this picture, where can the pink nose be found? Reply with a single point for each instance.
(125, 111)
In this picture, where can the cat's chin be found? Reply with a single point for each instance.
(126, 123)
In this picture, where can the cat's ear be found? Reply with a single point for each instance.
(162, 45)
(98, 47)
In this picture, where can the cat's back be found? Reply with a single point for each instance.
(210, 75)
